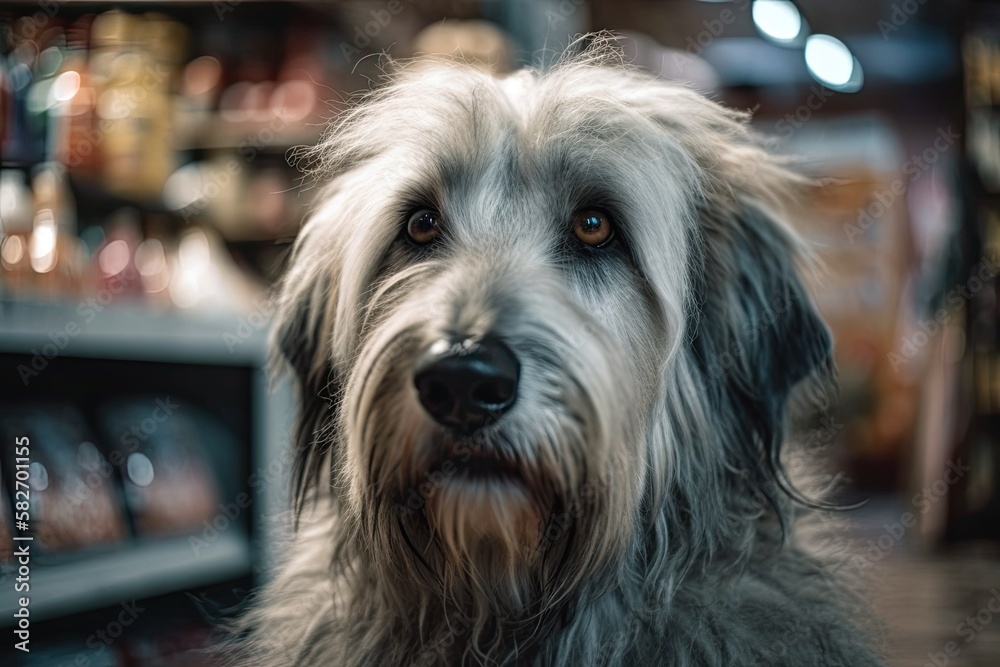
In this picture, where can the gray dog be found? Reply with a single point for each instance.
(545, 330)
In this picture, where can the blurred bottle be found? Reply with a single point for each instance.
(73, 501)
(201, 83)
(152, 261)
(77, 143)
(6, 37)
(170, 487)
(40, 101)
(133, 108)
(23, 142)
(16, 207)
(113, 264)
(54, 250)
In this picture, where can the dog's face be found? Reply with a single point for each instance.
(533, 312)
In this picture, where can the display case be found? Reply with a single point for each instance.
(157, 448)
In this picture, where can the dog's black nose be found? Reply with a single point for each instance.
(467, 385)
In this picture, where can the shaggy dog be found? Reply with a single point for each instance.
(545, 330)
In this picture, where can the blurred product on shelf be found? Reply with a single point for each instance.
(169, 486)
(134, 59)
(113, 263)
(170, 121)
(16, 213)
(981, 51)
(55, 252)
(204, 275)
(40, 251)
(972, 510)
(145, 472)
(73, 501)
(41, 256)
(859, 292)
(859, 225)
(479, 42)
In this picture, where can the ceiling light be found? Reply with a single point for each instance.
(832, 63)
(778, 20)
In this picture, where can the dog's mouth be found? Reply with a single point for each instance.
(487, 467)
(465, 462)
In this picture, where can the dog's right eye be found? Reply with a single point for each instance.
(423, 226)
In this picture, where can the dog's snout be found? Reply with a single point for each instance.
(467, 385)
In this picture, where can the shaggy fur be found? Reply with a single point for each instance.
(652, 523)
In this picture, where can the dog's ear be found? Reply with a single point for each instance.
(298, 335)
(301, 343)
(757, 313)
(754, 331)
(756, 335)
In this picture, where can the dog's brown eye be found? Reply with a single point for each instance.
(593, 228)
(423, 226)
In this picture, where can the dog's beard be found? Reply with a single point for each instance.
(496, 514)
(474, 507)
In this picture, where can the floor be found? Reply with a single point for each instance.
(940, 608)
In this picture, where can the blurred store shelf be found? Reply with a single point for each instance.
(216, 133)
(133, 331)
(141, 571)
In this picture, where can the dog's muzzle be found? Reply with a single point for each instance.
(468, 384)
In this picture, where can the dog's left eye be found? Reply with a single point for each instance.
(423, 226)
(593, 228)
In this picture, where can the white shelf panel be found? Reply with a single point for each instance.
(135, 332)
(135, 572)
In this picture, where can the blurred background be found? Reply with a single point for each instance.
(149, 193)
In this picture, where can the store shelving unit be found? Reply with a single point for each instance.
(974, 502)
(140, 571)
(155, 345)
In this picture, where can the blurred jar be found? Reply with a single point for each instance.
(159, 446)
(133, 109)
(55, 253)
(73, 99)
(113, 264)
(16, 210)
(74, 502)
(152, 261)
(40, 103)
